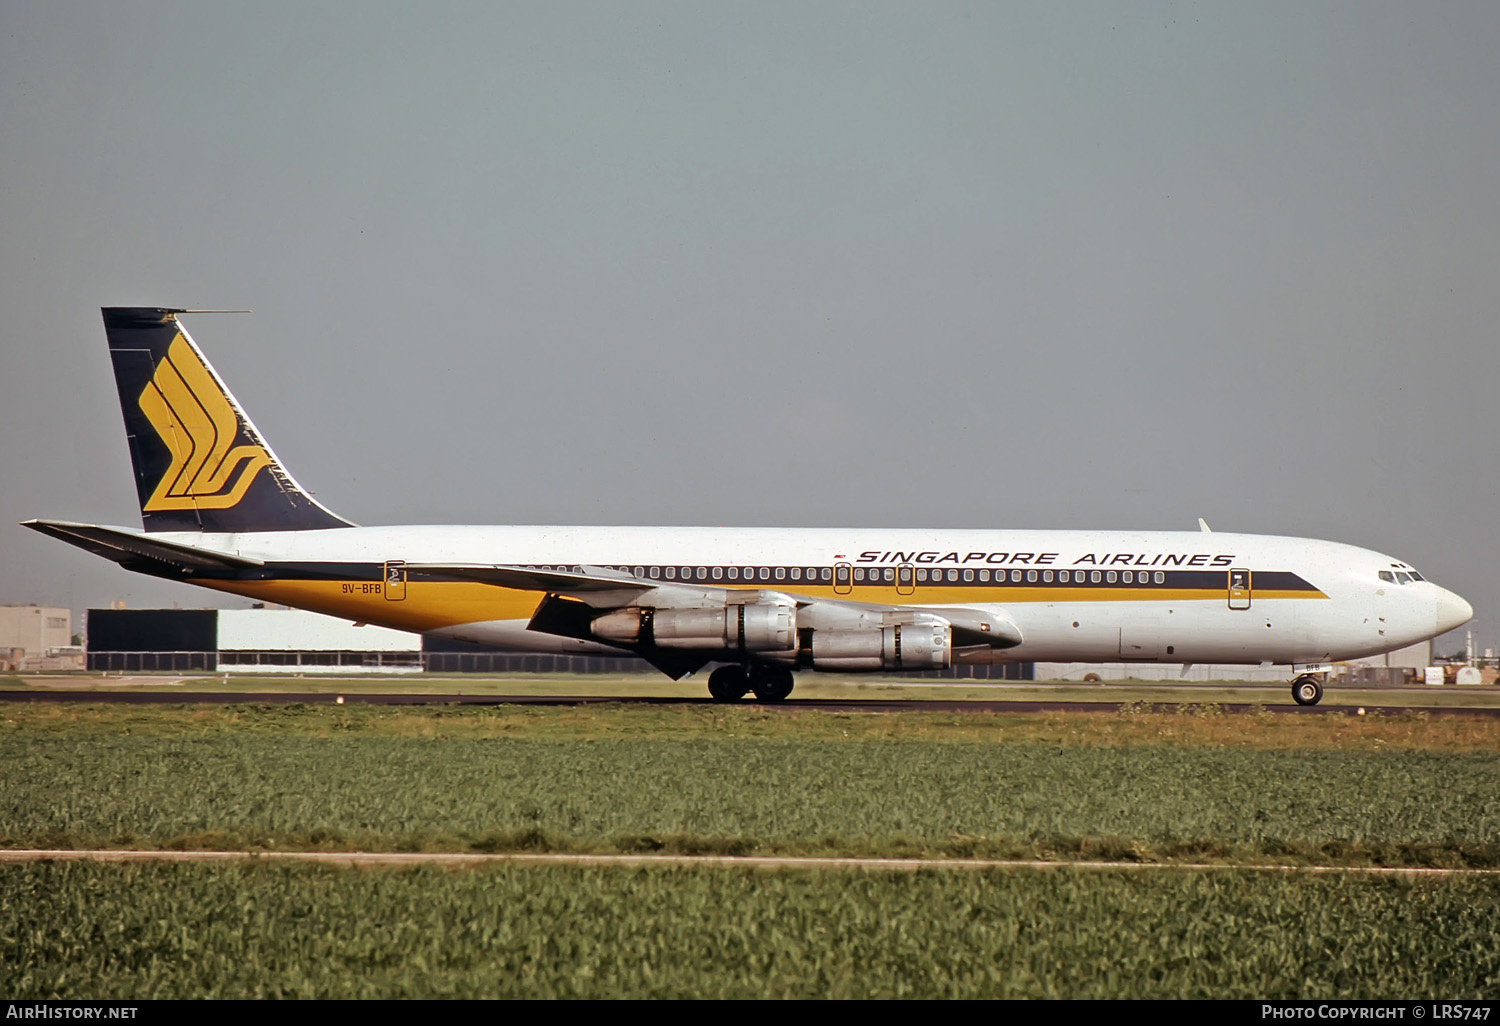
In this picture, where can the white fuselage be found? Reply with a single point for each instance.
(1306, 601)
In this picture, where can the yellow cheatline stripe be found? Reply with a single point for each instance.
(428, 604)
(432, 604)
(948, 595)
(195, 421)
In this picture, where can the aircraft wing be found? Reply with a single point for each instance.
(576, 597)
(586, 580)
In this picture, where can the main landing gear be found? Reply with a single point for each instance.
(730, 683)
(1307, 690)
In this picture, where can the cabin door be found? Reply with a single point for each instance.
(1239, 589)
(395, 580)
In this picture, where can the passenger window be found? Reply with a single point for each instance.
(1109, 577)
(796, 573)
(1031, 576)
(702, 573)
(827, 574)
(671, 573)
(968, 575)
(1015, 577)
(859, 573)
(1160, 577)
(1387, 577)
(765, 574)
(953, 575)
(1047, 576)
(1094, 576)
(921, 575)
(655, 572)
(984, 575)
(718, 572)
(1128, 577)
(781, 573)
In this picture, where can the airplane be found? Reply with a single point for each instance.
(220, 510)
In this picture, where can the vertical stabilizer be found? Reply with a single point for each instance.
(200, 464)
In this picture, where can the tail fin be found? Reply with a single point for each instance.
(200, 465)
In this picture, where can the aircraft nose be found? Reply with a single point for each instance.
(1452, 611)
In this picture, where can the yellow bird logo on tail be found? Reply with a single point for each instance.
(194, 418)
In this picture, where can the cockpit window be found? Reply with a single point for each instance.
(1417, 577)
(1387, 577)
(1403, 578)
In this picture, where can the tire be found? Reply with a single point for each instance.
(728, 684)
(771, 683)
(1307, 690)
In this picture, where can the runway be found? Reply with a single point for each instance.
(892, 705)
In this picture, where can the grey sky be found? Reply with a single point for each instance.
(938, 264)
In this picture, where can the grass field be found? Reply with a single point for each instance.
(259, 931)
(1137, 786)
(1195, 785)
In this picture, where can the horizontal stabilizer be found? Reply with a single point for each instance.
(138, 550)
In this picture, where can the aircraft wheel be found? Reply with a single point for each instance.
(1307, 690)
(771, 683)
(728, 684)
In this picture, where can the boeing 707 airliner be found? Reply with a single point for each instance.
(220, 510)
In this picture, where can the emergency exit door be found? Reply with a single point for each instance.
(843, 578)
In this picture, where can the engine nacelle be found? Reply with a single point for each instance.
(926, 643)
(748, 627)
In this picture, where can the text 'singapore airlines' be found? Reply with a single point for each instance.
(220, 510)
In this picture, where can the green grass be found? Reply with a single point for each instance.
(1131, 787)
(1189, 724)
(250, 931)
(1191, 785)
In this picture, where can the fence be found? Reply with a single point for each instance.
(437, 662)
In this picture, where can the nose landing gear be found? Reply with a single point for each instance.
(1307, 690)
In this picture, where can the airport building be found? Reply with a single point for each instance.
(243, 641)
(294, 641)
(37, 638)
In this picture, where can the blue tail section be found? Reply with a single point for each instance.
(200, 464)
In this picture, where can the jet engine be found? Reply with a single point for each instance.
(743, 627)
(925, 642)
